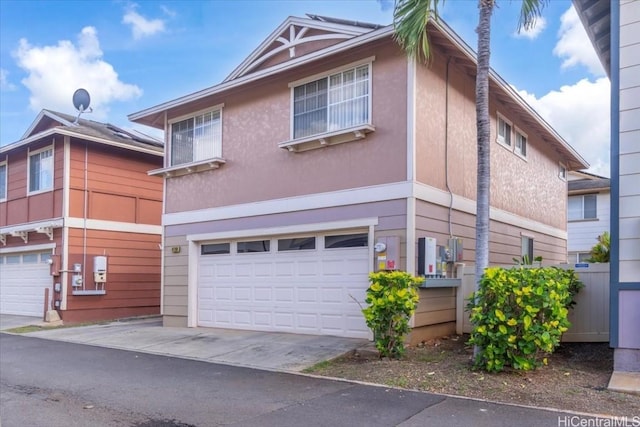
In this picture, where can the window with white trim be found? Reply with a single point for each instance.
(41, 170)
(197, 138)
(3, 180)
(583, 206)
(338, 101)
(504, 131)
(521, 144)
(562, 172)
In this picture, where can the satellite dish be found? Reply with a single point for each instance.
(81, 101)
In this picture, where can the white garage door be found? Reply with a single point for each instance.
(304, 284)
(23, 278)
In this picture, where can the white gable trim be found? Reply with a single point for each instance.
(347, 31)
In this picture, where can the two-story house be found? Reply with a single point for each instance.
(76, 199)
(326, 140)
(588, 213)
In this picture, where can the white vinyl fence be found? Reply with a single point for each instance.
(589, 318)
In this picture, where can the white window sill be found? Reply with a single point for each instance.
(187, 168)
(329, 138)
(522, 157)
(36, 192)
(584, 220)
(504, 145)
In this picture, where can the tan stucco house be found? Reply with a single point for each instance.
(280, 180)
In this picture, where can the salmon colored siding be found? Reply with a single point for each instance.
(19, 208)
(108, 186)
(118, 186)
(133, 274)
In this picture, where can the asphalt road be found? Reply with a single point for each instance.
(52, 383)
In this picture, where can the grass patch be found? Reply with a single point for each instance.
(36, 328)
(27, 329)
(325, 364)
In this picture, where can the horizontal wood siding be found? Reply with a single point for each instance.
(504, 239)
(117, 183)
(133, 274)
(19, 208)
(435, 315)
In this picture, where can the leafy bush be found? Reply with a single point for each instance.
(392, 298)
(519, 315)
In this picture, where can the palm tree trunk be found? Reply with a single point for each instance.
(484, 133)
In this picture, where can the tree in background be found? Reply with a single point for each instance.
(600, 251)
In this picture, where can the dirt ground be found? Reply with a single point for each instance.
(575, 379)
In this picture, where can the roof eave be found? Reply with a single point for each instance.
(149, 115)
(159, 151)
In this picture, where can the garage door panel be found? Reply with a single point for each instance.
(23, 279)
(304, 291)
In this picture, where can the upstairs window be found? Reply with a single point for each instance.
(41, 170)
(584, 206)
(3, 181)
(521, 144)
(338, 101)
(504, 131)
(562, 172)
(197, 138)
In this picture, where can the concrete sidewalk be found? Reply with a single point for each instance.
(262, 350)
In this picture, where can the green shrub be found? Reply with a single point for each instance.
(392, 298)
(519, 315)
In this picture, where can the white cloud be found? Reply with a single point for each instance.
(534, 31)
(55, 72)
(580, 114)
(5, 84)
(574, 46)
(141, 26)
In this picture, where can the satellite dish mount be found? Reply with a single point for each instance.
(81, 101)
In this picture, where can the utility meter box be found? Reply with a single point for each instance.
(387, 253)
(427, 257)
(455, 249)
(100, 269)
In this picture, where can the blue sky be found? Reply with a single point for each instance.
(134, 55)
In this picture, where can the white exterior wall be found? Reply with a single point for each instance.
(584, 234)
(629, 215)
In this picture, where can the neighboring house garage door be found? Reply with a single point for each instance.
(304, 284)
(23, 278)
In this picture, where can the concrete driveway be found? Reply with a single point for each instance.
(262, 350)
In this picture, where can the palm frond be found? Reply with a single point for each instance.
(410, 18)
(531, 10)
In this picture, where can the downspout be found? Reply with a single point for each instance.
(446, 146)
(84, 216)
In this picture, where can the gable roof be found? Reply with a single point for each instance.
(50, 122)
(294, 32)
(440, 33)
(581, 185)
